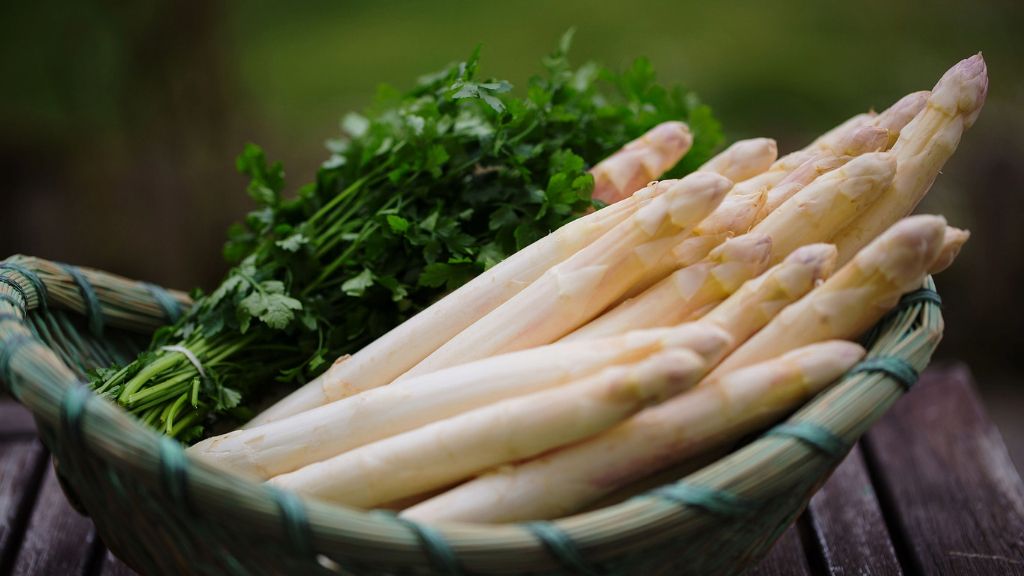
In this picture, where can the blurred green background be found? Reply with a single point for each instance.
(120, 121)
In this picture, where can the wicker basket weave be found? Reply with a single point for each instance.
(164, 513)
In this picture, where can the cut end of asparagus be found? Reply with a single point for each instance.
(744, 159)
(962, 89)
(953, 241)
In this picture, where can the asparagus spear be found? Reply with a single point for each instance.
(575, 291)
(679, 296)
(921, 150)
(893, 119)
(759, 300)
(852, 300)
(744, 159)
(829, 202)
(721, 410)
(324, 432)
(389, 356)
(640, 161)
(453, 449)
(951, 244)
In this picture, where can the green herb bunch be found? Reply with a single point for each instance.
(423, 192)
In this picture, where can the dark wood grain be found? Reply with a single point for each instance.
(786, 558)
(946, 481)
(21, 464)
(57, 539)
(847, 524)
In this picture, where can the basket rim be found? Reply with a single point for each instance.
(39, 379)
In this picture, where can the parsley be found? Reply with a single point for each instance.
(421, 193)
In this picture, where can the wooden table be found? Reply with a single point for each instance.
(930, 490)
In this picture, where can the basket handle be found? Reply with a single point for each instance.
(28, 283)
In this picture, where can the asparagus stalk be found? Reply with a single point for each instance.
(389, 356)
(744, 159)
(827, 140)
(456, 448)
(921, 150)
(575, 291)
(324, 432)
(720, 411)
(953, 241)
(815, 212)
(678, 297)
(893, 119)
(759, 300)
(751, 201)
(640, 161)
(855, 298)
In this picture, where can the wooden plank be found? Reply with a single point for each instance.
(21, 465)
(15, 419)
(847, 523)
(786, 558)
(946, 482)
(57, 539)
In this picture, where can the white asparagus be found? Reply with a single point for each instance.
(744, 159)
(893, 119)
(392, 354)
(753, 200)
(827, 140)
(759, 300)
(575, 291)
(720, 411)
(827, 204)
(678, 297)
(953, 241)
(852, 300)
(324, 432)
(640, 161)
(922, 149)
(896, 117)
(450, 450)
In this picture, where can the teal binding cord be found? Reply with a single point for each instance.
(561, 546)
(92, 303)
(440, 552)
(296, 523)
(718, 502)
(174, 472)
(919, 296)
(171, 307)
(896, 368)
(817, 436)
(33, 279)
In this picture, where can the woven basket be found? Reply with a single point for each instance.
(164, 513)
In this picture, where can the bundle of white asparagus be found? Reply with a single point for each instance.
(671, 323)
